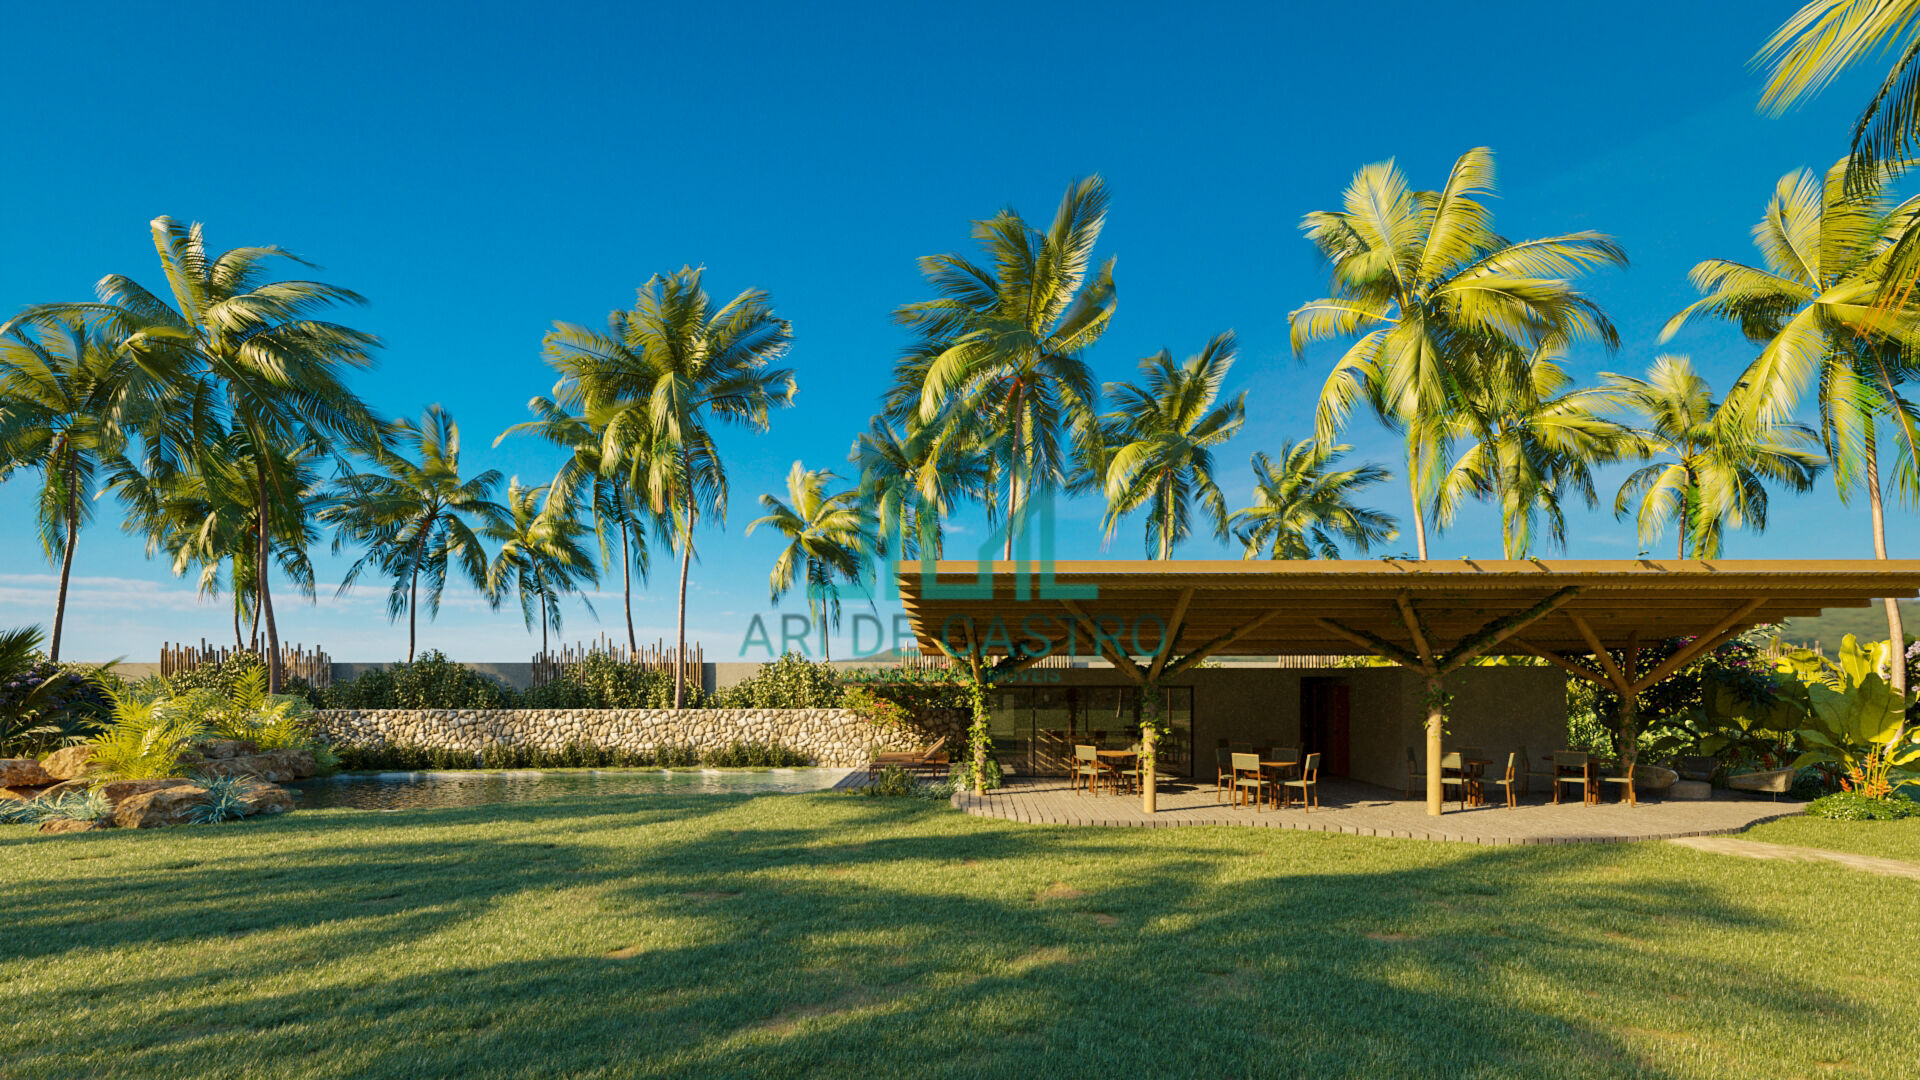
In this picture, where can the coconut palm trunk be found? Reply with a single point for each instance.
(1419, 511)
(626, 584)
(66, 557)
(263, 595)
(680, 619)
(1013, 472)
(1896, 631)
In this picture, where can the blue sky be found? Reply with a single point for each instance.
(479, 171)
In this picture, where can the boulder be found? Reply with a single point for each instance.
(65, 826)
(267, 799)
(157, 808)
(21, 794)
(119, 791)
(64, 787)
(210, 750)
(23, 772)
(67, 764)
(1689, 790)
(1653, 778)
(273, 766)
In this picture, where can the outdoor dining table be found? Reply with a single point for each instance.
(1473, 770)
(1114, 759)
(1279, 770)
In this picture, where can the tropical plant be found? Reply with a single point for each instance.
(1811, 310)
(541, 556)
(1855, 721)
(430, 682)
(142, 740)
(1302, 505)
(1429, 287)
(258, 362)
(1000, 356)
(71, 399)
(90, 805)
(227, 798)
(27, 693)
(417, 517)
(789, 682)
(1154, 451)
(657, 381)
(1530, 443)
(1710, 471)
(1825, 38)
(828, 537)
(912, 475)
(585, 476)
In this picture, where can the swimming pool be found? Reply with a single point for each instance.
(429, 790)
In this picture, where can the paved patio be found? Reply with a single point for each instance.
(1365, 810)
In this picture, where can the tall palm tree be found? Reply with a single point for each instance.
(1156, 448)
(585, 477)
(1530, 443)
(262, 365)
(1002, 349)
(1302, 504)
(827, 541)
(911, 477)
(658, 380)
(1428, 286)
(1825, 38)
(1710, 471)
(1811, 308)
(416, 517)
(541, 557)
(70, 401)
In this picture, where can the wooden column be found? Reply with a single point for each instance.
(1436, 722)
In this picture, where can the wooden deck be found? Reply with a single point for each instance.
(1364, 810)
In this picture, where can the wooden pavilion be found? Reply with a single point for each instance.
(1152, 620)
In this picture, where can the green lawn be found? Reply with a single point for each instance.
(1890, 839)
(832, 935)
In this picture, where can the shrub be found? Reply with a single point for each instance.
(873, 708)
(144, 739)
(791, 682)
(962, 773)
(389, 757)
(601, 682)
(72, 806)
(1853, 806)
(431, 682)
(225, 800)
(741, 755)
(893, 782)
(45, 705)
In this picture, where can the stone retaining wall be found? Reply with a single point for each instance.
(830, 737)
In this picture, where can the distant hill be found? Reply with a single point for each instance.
(1867, 624)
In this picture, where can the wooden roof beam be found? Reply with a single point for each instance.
(1173, 635)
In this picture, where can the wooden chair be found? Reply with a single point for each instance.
(1086, 767)
(1570, 768)
(1222, 772)
(1248, 779)
(1626, 792)
(1453, 774)
(1286, 753)
(1509, 780)
(1308, 784)
(1529, 772)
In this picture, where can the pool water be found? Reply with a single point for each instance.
(429, 790)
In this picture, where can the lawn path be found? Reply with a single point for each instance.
(1756, 849)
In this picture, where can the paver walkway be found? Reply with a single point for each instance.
(1365, 810)
(1756, 849)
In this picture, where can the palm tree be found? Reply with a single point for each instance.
(1531, 442)
(656, 381)
(911, 477)
(1428, 285)
(416, 517)
(1301, 504)
(1001, 350)
(1156, 448)
(541, 556)
(827, 539)
(1710, 470)
(70, 401)
(1811, 309)
(584, 475)
(262, 366)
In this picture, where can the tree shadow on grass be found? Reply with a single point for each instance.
(847, 936)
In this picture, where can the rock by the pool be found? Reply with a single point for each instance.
(23, 772)
(67, 764)
(67, 826)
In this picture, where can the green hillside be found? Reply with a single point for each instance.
(1867, 624)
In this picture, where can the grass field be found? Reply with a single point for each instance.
(832, 935)
(1889, 839)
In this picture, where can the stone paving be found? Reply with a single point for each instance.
(1365, 810)
(1755, 849)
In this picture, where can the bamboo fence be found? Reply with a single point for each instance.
(313, 665)
(659, 656)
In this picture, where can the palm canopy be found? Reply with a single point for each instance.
(827, 535)
(1811, 308)
(654, 384)
(1302, 506)
(1155, 449)
(1710, 471)
(1530, 444)
(911, 477)
(71, 402)
(1826, 37)
(415, 517)
(542, 555)
(1001, 348)
(1427, 285)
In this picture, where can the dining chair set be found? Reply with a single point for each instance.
(1269, 777)
(1464, 775)
(1117, 769)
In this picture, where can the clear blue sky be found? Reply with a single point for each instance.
(480, 172)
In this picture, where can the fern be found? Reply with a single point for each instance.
(143, 739)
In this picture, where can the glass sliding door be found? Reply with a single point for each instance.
(1036, 728)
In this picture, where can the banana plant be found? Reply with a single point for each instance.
(1852, 714)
